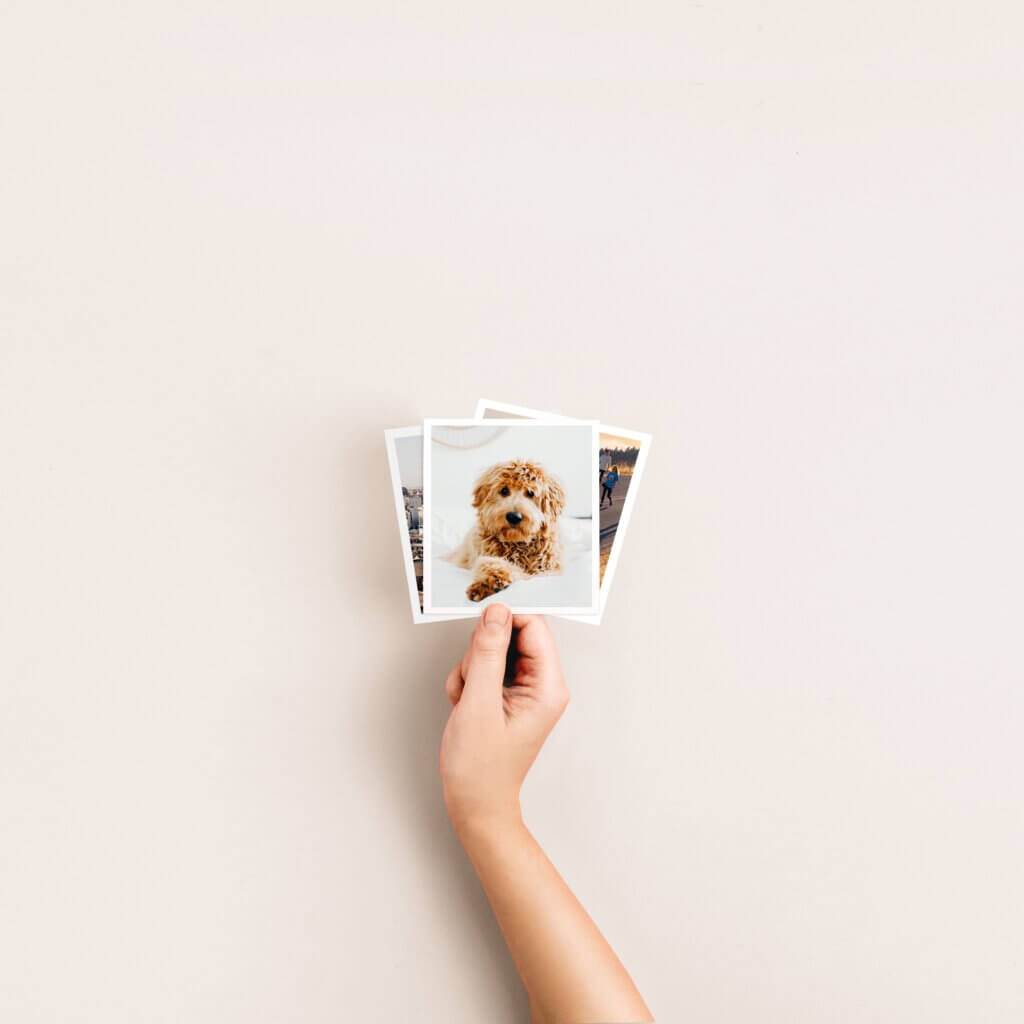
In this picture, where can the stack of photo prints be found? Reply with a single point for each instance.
(514, 505)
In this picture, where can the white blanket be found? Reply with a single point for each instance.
(570, 588)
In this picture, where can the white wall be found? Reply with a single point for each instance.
(788, 784)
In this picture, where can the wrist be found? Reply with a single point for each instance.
(478, 827)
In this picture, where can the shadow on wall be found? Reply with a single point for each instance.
(407, 720)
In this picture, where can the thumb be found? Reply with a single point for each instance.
(485, 659)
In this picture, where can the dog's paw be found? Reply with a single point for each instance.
(489, 582)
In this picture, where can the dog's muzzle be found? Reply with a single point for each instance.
(514, 518)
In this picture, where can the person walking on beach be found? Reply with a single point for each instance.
(608, 485)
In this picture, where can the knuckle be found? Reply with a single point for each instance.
(489, 645)
(488, 655)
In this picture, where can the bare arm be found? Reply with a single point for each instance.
(570, 972)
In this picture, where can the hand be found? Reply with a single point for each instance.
(495, 731)
(493, 735)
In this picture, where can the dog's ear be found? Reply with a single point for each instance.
(483, 485)
(553, 499)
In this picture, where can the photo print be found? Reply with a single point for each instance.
(405, 457)
(510, 514)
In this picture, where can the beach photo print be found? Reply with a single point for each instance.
(510, 514)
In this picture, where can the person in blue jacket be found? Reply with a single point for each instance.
(611, 478)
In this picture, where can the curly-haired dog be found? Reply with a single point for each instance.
(516, 534)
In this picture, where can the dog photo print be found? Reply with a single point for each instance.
(405, 457)
(510, 514)
(622, 455)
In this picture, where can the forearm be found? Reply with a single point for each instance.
(567, 967)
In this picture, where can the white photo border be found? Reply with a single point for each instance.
(645, 440)
(418, 617)
(595, 565)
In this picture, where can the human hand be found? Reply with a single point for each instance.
(493, 735)
(495, 731)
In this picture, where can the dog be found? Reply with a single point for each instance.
(516, 534)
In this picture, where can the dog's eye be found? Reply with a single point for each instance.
(505, 492)
(529, 494)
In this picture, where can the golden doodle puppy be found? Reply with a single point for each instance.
(516, 534)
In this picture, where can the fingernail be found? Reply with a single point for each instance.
(496, 615)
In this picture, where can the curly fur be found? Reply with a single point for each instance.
(498, 552)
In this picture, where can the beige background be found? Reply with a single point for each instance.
(237, 243)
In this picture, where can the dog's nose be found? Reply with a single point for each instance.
(514, 518)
